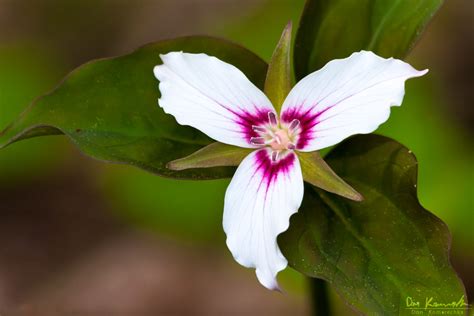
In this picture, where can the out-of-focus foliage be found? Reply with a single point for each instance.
(189, 210)
(25, 73)
(335, 29)
(261, 29)
(380, 251)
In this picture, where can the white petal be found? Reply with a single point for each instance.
(258, 204)
(346, 97)
(212, 96)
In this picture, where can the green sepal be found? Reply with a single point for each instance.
(318, 173)
(279, 75)
(213, 155)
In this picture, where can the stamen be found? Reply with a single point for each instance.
(278, 139)
(272, 119)
(259, 129)
(291, 146)
(270, 133)
(294, 125)
(257, 141)
(275, 155)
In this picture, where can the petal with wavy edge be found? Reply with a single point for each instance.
(212, 96)
(346, 97)
(258, 204)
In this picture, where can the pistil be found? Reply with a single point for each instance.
(276, 137)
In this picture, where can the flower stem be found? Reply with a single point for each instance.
(319, 297)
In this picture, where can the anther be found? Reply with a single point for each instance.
(291, 146)
(257, 141)
(259, 129)
(275, 155)
(272, 119)
(294, 125)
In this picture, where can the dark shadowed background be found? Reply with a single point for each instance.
(81, 236)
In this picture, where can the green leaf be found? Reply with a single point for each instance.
(383, 251)
(109, 109)
(334, 29)
(317, 172)
(213, 155)
(278, 81)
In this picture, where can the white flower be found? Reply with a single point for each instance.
(346, 97)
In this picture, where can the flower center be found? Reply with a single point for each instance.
(279, 138)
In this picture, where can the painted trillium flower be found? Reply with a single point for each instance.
(346, 97)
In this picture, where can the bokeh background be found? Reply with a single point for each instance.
(79, 236)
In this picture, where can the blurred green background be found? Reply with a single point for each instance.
(77, 234)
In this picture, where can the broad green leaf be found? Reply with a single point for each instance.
(382, 252)
(279, 76)
(213, 155)
(332, 29)
(317, 172)
(109, 109)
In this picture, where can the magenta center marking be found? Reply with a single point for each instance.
(271, 170)
(247, 121)
(308, 119)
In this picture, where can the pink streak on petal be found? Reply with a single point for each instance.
(270, 170)
(308, 119)
(247, 121)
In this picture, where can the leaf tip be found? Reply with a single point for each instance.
(351, 194)
(288, 28)
(356, 196)
(285, 38)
